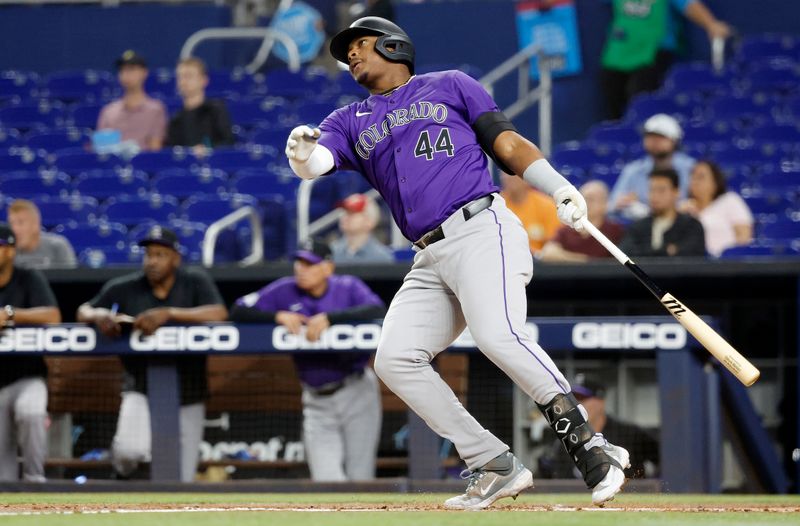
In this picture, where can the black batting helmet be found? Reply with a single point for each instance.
(390, 35)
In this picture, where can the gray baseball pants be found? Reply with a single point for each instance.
(23, 415)
(132, 440)
(476, 277)
(341, 431)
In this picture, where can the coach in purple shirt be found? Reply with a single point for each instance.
(341, 396)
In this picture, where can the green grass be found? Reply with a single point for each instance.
(507, 513)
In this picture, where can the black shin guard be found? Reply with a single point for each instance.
(574, 431)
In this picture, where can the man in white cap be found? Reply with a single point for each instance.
(662, 137)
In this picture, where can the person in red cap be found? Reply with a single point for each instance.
(358, 245)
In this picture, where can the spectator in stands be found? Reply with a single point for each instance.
(665, 232)
(641, 46)
(571, 245)
(35, 248)
(643, 447)
(26, 299)
(726, 219)
(358, 245)
(163, 293)
(341, 396)
(138, 117)
(202, 123)
(536, 210)
(662, 137)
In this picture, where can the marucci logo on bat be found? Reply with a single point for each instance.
(674, 306)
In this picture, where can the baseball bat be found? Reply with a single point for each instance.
(708, 337)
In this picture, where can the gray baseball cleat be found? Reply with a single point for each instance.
(612, 483)
(503, 476)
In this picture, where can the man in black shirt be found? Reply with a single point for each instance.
(161, 294)
(25, 299)
(642, 446)
(201, 123)
(665, 232)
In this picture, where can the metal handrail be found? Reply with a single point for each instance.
(269, 36)
(256, 241)
(543, 94)
(306, 229)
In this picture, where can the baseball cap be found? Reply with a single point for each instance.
(7, 237)
(158, 235)
(313, 251)
(354, 203)
(584, 386)
(663, 124)
(130, 58)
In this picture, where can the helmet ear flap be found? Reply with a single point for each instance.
(395, 48)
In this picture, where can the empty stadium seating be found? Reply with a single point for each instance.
(745, 117)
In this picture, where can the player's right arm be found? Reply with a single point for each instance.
(308, 159)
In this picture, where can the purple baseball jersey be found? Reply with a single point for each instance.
(416, 146)
(344, 292)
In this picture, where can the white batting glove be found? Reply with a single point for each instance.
(301, 143)
(571, 206)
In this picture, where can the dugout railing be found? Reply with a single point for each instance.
(693, 392)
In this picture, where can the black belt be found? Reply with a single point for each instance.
(333, 387)
(469, 210)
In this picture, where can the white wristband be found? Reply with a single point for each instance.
(319, 163)
(544, 177)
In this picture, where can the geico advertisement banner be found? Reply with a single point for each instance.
(553, 334)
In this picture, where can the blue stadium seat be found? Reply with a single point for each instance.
(346, 85)
(182, 183)
(17, 85)
(153, 162)
(773, 250)
(231, 161)
(261, 183)
(313, 113)
(604, 133)
(103, 184)
(284, 83)
(75, 161)
(57, 140)
(88, 85)
(350, 183)
(719, 131)
(780, 81)
(191, 237)
(102, 256)
(32, 116)
(209, 208)
(776, 133)
(771, 204)
(742, 111)
(22, 159)
(95, 235)
(161, 83)
(275, 221)
(33, 184)
(698, 77)
(252, 113)
(63, 210)
(275, 137)
(133, 210)
(645, 106)
(757, 48)
(85, 115)
(10, 138)
(237, 81)
(782, 230)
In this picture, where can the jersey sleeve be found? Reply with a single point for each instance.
(264, 300)
(473, 97)
(40, 293)
(336, 139)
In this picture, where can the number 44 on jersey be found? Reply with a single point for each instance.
(427, 149)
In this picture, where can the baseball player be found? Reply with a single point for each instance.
(341, 396)
(420, 141)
